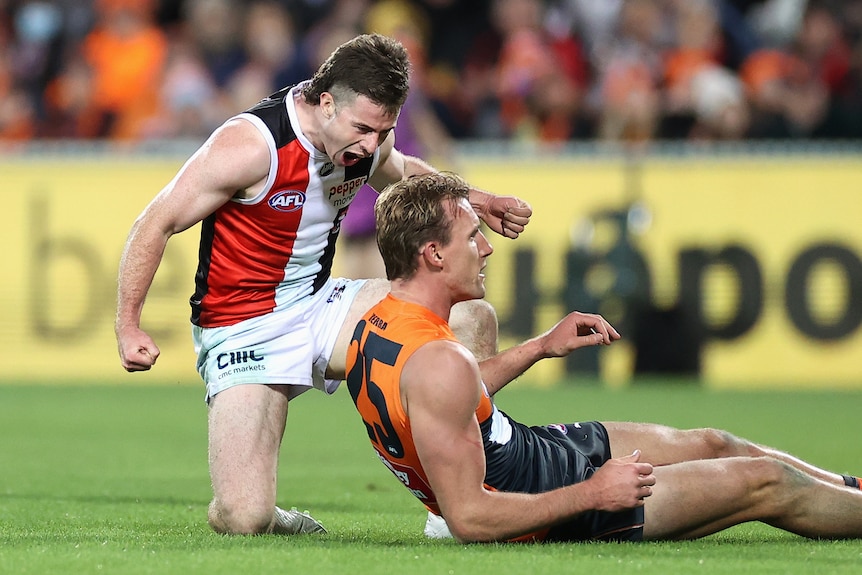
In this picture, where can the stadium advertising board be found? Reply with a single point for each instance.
(64, 228)
(758, 260)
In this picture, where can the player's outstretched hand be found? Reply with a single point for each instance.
(506, 215)
(578, 330)
(138, 351)
(622, 483)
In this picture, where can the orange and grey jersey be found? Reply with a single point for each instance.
(518, 458)
(383, 341)
(265, 253)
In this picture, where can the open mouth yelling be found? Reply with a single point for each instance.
(349, 158)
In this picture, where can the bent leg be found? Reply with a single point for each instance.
(663, 445)
(474, 323)
(246, 425)
(698, 498)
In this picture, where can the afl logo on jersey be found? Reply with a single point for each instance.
(287, 201)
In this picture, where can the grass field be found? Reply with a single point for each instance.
(113, 479)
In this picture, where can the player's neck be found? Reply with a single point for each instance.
(308, 122)
(423, 294)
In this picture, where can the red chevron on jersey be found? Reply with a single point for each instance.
(261, 254)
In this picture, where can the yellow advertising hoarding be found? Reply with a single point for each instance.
(771, 250)
(774, 245)
(63, 232)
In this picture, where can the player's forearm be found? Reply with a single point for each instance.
(138, 265)
(504, 367)
(502, 516)
(479, 200)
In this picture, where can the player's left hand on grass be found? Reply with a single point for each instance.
(506, 215)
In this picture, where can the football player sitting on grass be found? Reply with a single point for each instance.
(427, 407)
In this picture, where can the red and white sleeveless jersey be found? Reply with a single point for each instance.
(265, 253)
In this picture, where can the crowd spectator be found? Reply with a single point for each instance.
(547, 71)
(627, 96)
(125, 53)
(704, 100)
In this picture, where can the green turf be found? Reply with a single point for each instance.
(113, 479)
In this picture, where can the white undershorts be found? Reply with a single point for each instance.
(288, 347)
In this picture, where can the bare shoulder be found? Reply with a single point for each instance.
(238, 130)
(236, 156)
(446, 353)
(239, 138)
(445, 369)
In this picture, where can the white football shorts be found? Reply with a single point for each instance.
(288, 347)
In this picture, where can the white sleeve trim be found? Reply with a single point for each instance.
(273, 159)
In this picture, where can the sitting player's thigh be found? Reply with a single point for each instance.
(663, 445)
(697, 498)
(369, 294)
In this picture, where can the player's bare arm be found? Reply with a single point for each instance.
(574, 331)
(440, 392)
(506, 215)
(395, 166)
(233, 161)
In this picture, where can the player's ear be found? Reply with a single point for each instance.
(327, 104)
(431, 255)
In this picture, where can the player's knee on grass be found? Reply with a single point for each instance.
(240, 519)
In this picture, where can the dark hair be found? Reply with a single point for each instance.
(411, 213)
(370, 65)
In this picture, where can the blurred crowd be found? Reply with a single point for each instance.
(537, 70)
